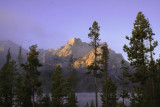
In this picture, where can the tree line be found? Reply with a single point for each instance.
(140, 52)
(20, 85)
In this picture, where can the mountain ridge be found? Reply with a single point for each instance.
(81, 51)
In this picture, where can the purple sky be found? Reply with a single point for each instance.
(51, 23)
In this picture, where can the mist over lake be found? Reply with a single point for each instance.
(85, 97)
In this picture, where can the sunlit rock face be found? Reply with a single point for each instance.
(82, 52)
(87, 59)
(74, 47)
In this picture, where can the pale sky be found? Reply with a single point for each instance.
(51, 23)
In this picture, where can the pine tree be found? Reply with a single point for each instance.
(58, 89)
(19, 92)
(104, 62)
(123, 82)
(27, 91)
(108, 93)
(39, 97)
(7, 76)
(19, 85)
(111, 93)
(45, 101)
(71, 82)
(73, 73)
(32, 84)
(152, 70)
(94, 67)
(138, 53)
(157, 81)
(71, 99)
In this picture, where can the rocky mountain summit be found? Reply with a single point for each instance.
(82, 53)
(74, 47)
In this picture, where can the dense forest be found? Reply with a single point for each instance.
(21, 86)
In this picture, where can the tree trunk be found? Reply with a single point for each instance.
(95, 74)
(106, 94)
(33, 99)
(96, 91)
(152, 80)
(105, 78)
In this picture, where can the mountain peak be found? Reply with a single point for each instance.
(74, 41)
(74, 47)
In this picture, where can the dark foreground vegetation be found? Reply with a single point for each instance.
(20, 85)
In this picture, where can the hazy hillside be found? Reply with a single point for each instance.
(82, 53)
(14, 48)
